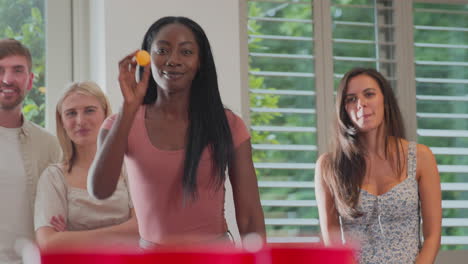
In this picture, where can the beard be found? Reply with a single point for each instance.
(10, 105)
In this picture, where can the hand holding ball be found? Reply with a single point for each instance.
(142, 57)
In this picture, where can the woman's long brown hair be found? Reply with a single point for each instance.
(345, 166)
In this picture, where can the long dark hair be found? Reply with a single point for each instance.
(208, 124)
(346, 164)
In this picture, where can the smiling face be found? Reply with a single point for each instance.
(15, 81)
(82, 116)
(364, 103)
(175, 57)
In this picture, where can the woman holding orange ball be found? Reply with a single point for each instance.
(177, 141)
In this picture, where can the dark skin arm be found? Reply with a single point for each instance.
(112, 144)
(249, 213)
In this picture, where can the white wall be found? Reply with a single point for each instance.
(59, 70)
(117, 28)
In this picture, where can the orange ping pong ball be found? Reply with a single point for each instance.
(142, 57)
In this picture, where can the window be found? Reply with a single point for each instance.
(441, 55)
(24, 21)
(283, 119)
(298, 51)
(41, 26)
(363, 35)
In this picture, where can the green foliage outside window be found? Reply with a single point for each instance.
(265, 100)
(23, 20)
(456, 90)
(342, 13)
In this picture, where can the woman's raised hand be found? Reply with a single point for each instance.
(133, 91)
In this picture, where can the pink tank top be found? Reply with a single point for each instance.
(155, 181)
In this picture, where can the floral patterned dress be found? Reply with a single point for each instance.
(389, 230)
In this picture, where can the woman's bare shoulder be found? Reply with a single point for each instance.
(323, 159)
(321, 166)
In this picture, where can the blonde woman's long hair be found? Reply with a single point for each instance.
(68, 146)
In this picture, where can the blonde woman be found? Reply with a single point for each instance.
(65, 214)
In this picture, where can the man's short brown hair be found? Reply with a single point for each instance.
(11, 47)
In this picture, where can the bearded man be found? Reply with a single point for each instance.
(26, 149)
